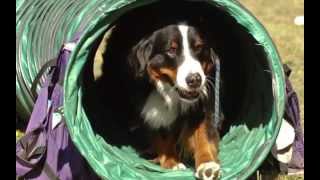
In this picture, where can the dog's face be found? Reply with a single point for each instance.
(176, 58)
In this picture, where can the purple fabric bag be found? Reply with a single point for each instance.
(47, 151)
(292, 115)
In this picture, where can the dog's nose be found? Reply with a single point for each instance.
(193, 80)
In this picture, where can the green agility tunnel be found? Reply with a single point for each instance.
(254, 95)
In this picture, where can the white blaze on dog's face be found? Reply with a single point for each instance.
(180, 60)
(189, 65)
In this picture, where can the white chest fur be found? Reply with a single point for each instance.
(157, 112)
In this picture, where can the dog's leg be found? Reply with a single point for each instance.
(202, 141)
(165, 148)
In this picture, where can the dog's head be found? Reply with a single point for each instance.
(176, 58)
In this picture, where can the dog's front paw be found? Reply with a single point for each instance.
(208, 171)
(179, 166)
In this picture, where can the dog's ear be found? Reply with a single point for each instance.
(139, 57)
(209, 65)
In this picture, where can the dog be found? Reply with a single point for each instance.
(178, 63)
(163, 79)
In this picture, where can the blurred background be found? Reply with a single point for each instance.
(284, 22)
(279, 18)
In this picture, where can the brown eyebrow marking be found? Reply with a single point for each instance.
(174, 44)
(198, 41)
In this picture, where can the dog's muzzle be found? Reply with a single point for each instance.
(188, 94)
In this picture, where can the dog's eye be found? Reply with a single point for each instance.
(198, 47)
(172, 50)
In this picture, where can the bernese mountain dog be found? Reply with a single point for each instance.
(160, 78)
(178, 63)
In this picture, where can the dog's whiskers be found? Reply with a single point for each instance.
(209, 77)
(204, 92)
(209, 82)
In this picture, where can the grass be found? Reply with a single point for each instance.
(278, 18)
